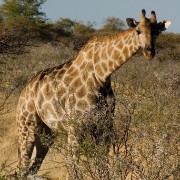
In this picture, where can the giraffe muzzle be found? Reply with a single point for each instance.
(149, 53)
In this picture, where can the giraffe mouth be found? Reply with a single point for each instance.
(149, 54)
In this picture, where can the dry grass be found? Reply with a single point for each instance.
(147, 91)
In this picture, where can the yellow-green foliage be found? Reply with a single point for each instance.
(15, 10)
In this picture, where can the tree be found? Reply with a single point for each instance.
(70, 27)
(66, 24)
(112, 25)
(13, 10)
(19, 21)
(81, 29)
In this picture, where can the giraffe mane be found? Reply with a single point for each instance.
(109, 38)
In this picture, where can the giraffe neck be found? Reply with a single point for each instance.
(111, 52)
(101, 56)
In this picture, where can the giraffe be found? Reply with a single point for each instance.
(53, 96)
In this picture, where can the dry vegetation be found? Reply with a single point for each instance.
(146, 117)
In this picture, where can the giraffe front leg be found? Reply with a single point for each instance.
(72, 157)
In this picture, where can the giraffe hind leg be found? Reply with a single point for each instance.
(26, 141)
(28, 125)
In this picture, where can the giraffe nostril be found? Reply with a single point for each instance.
(147, 48)
(149, 53)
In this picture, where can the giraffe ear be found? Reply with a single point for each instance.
(163, 25)
(132, 23)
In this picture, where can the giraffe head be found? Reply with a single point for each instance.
(148, 30)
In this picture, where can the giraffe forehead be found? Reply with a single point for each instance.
(146, 26)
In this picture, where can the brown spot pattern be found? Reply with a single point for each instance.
(81, 92)
(125, 52)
